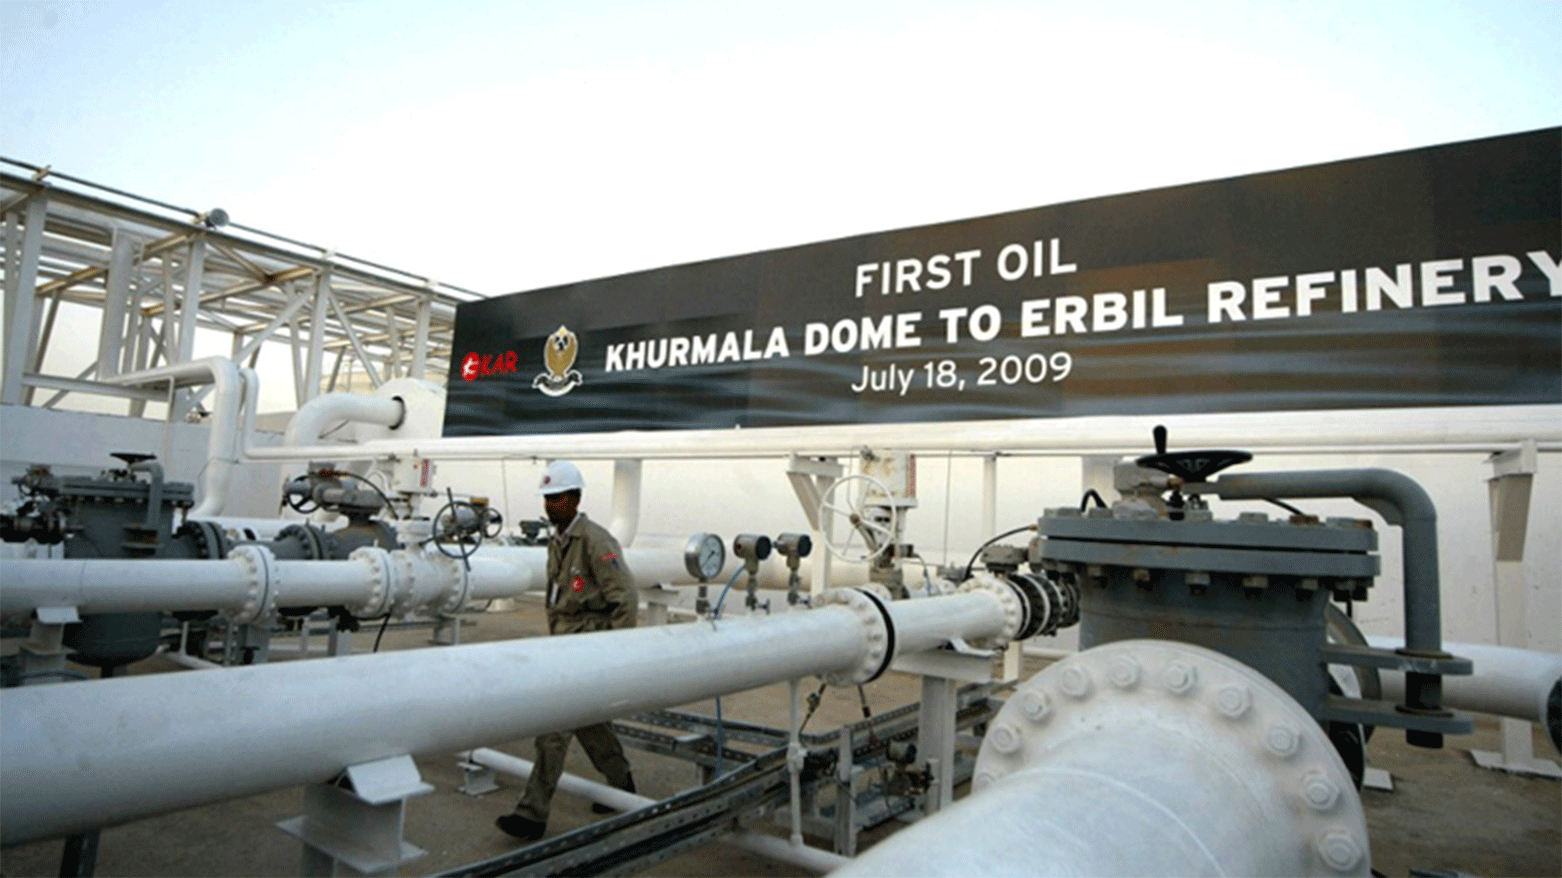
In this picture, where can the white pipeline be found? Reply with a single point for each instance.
(250, 584)
(83, 755)
(1143, 758)
(310, 421)
(1429, 430)
(799, 855)
(1493, 428)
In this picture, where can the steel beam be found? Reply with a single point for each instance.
(21, 301)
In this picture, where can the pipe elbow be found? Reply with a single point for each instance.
(315, 415)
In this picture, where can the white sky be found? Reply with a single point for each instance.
(512, 145)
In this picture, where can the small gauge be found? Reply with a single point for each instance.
(704, 555)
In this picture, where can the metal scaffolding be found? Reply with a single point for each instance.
(152, 275)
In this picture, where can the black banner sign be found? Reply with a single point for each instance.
(1421, 278)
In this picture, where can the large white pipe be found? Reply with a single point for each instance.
(799, 855)
(228, 401)
(1144, 758)
(1430, 430)
(311, 419)
(250, 584)
(1506, 681)
(78, 756)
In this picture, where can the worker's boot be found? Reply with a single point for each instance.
(599, 808)
(523, 828)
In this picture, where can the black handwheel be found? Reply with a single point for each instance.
(1190, 466)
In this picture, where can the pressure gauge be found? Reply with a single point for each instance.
(704, 555)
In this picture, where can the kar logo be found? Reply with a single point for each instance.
(558, 354)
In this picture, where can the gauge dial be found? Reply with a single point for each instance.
(704, 555)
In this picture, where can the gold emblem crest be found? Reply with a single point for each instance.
(558, 355)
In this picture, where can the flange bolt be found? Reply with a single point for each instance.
(1339, 850)
(1233, 701)
(1179, 678)
(1124, 672)
(1034, 705)
(1282, 741)
(1075, 682)
(1319, 791)
(1005, 738)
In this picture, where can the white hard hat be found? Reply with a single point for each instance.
(560, 476)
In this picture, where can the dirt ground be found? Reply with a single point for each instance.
(1444, 814)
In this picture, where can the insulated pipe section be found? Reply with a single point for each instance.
(1403, 502)
(1143, 757)
(80, 756)
(1523, 684)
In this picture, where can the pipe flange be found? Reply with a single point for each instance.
(206, 538)
(1041, 598)
(404, 585)
(1220, 706)
(312, 539)
(455, 573)
(878, 634)
(263, 582)
(381, 577)
(1016, 610)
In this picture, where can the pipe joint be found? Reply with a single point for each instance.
(381, 581)
(456, 579)
(410, 585)
(263, 582)
(1017, 610)
(878, 636)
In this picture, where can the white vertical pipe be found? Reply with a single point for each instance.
(990, 494)
(625, 518)
(222, 447)
(181, 740)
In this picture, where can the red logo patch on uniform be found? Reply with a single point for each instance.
(578, 584)
(610, 557)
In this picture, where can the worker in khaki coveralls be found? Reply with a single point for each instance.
(590, 588)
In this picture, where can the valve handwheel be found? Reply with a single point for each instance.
(881, 532)
(1190, 466)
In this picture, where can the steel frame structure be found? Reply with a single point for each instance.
(157, 274)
